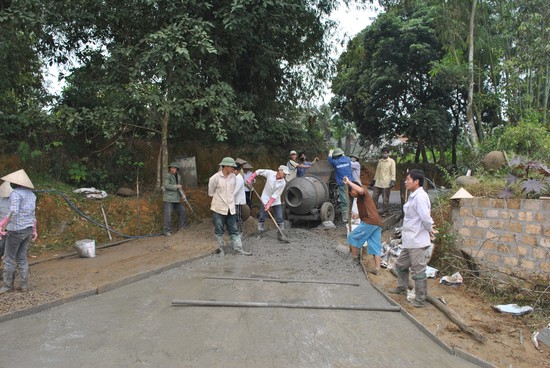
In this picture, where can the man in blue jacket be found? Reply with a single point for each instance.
(342, 168)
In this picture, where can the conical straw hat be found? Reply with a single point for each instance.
(5, 189)
(462, 193)
(20, 178)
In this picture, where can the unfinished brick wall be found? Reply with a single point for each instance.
(512, 235)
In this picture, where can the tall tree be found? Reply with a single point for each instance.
(389, 91)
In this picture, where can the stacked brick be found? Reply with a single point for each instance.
(512, 235)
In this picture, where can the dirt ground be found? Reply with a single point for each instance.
(58, 276)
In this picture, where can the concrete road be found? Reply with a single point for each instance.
(136, 326)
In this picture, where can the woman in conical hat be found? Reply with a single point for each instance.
(19, 227)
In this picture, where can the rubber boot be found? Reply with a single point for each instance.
(238, 245)
(221, 245)
(261, 229)
(402, 283)
(280, 235)
(24, 280)
(421, 292)
(8, 281)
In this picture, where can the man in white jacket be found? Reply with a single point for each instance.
(416, 235)
(271, 195)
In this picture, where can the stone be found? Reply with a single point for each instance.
(126, 192)
(465, 181)
(494, 160)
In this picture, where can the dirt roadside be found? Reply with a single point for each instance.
(58, 276)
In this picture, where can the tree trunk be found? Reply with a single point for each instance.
(470, 107)
(163, 154)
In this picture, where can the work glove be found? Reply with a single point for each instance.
(268, 204)
(3, 225)
(250, 180)
(178, 186)
(34, 232)
(330, 152)
(392, 183)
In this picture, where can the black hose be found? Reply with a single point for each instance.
(77, 210)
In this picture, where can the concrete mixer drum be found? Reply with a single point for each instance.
(311, 198)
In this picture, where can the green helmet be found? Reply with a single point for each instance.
(337, 152)
(174, 164)
(228, 161)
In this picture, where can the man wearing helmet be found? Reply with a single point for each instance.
(342, 168)
(172, 185)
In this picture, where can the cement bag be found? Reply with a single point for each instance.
(85, 248)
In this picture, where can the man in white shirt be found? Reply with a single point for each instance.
(240, 198)
(271, 195)
(221, 187)
(355, 169)
(417, 235)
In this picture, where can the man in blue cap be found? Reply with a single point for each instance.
(342, 168)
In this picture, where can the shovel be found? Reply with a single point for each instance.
(189, 205)
(280, 235)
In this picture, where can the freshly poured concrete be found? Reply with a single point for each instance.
(136, 326)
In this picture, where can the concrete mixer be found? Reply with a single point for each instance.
(314, 196)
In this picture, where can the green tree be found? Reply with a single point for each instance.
(223, 68)
(22, 97)
(384, 82)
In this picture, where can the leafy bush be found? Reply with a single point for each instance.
(529, 138)
(531, 178)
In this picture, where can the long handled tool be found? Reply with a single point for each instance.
(282, 236)
(189, 205)
(348, 208)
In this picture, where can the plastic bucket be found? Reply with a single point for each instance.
(85, 248)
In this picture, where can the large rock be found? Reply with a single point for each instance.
(464, 181)
(126, 192)
(494, 160)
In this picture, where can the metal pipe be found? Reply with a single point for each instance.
(217, 303)
(283, 281)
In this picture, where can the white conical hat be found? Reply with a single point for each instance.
(462, 193)
(5, 189)
(19, 177)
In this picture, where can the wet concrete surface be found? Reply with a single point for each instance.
(136, 325)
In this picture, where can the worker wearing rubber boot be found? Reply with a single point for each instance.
(342, 167)
(172, 187)
(221, 187)
(417, 235)
(271, 195)
(19, 228)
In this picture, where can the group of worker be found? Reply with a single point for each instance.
(228, 188)
(417, 231)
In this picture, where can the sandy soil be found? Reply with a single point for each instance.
(57, 276)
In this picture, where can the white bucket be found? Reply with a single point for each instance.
(85, 248)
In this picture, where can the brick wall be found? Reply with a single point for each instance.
(512, 235)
